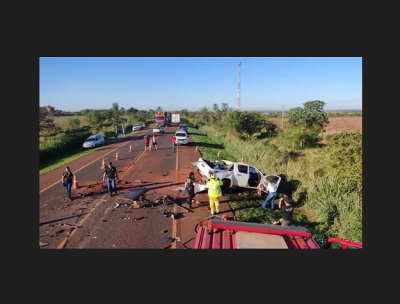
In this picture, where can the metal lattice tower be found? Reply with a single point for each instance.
(239, 100)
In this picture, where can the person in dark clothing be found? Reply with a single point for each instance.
(66, 181)
(287, 211)
(189, 188)
(111, 172)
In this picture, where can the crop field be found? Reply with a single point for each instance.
(62, 120)
(336, 124)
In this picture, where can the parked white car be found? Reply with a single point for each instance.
(137, 127)
(94, 141)
(181, 138)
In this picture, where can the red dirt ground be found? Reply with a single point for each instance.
(336, 124)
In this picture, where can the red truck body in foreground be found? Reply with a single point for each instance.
(221, 234)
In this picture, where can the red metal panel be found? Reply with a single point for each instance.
(207, 239)
(233, 240)
(216, 240)
(227, 241)
(260, 228)
(199, 238)
(291, 242)
(301, 243)
(312, 244)
(345, 243)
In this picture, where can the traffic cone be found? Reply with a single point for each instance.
(197, 148)
(116, 156)
(75, 183)
(219, 153)
(242, 159)
(103, 165)
(150, 144)
(130, 148)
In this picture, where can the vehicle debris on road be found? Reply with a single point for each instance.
(164, 231)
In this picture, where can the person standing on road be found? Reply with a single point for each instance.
(66, 181)
(287, 211)
(146, 142)
(154, 142)
(271, 195)
(214, 192)
(173, 139)
(189, 188)
(111, 172)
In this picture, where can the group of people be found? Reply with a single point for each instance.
(214, 191)
(110, 172)
(213, 185)
(153, 142)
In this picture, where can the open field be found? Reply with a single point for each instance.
(62, 120)
(336, 124)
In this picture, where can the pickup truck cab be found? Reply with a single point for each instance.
(236, 174)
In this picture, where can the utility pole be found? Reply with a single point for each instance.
(239, 100)
(283, 114)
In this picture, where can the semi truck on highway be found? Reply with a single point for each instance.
(176, 119)
(160, 119)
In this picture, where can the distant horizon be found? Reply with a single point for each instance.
(70, 83)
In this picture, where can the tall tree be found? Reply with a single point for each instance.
(116, 114)
(46, 124)
(184, 112)
(246, 123)
(310, 116)
(224, 109)
(94, 120)
(159, 110)
(205, 115)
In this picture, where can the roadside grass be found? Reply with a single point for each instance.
(325, 204)
(208, 146)
(49, 165)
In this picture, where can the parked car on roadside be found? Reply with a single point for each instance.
(181, 138)
(94, 141)
(183, 127)
(137, 127)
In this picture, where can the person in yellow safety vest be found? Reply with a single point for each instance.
(214, 191)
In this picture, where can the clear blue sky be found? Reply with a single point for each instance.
(76, 83)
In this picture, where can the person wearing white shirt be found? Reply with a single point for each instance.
(271, 188)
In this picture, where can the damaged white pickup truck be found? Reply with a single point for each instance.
(235, 174)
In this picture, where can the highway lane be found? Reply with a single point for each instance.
(48, 179)
(103, 226)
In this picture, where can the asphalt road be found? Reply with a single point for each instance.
(91, 221)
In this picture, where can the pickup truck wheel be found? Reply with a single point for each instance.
(226, 185)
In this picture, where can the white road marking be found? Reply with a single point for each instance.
(95, 160)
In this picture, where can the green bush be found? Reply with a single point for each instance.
(344, 156)
(63, 143)
(108, 133)
(331, 206)
(294, 138)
